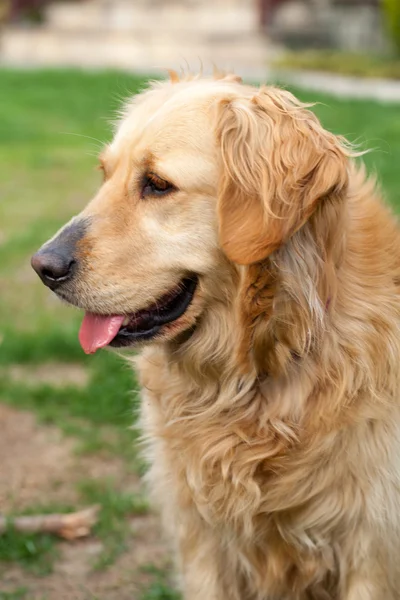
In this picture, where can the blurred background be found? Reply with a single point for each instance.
(67, 436)
(144, 34)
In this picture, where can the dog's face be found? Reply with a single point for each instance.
(142, 250)
(195, 181)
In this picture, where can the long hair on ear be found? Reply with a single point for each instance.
(280, 171)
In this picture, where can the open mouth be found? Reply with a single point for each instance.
(118, 331)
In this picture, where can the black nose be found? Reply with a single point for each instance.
(52, 267)
(56, 262)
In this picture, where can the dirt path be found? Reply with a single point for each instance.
(39, 466)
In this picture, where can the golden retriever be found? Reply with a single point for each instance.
(235, 242)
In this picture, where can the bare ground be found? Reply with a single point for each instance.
(39, 466)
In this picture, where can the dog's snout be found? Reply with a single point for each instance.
(53, 267)
(56, 261)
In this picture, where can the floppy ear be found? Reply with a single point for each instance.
(278, 164)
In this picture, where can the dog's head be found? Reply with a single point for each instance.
(202, 176)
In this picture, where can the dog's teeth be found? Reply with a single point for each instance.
(125, 321)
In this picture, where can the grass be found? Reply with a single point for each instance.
(34, 552)
(159, 587)
(112, 527)
(343, 63)
(53, 124)
(110, 385)
(17, 594)
(100, 415)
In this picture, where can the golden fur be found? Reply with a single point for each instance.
(273, 430)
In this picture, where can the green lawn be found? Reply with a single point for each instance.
(52, 124)
(342, 63)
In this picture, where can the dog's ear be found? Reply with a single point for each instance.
(278, 163)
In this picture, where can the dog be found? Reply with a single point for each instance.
(242, 250)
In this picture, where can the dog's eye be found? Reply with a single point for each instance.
(155, 186)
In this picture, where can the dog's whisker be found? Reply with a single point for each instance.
(88, 137)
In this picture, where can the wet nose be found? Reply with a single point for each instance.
(52, 267)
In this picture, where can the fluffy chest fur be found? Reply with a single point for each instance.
(253, 481)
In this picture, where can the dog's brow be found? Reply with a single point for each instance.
(147, 162)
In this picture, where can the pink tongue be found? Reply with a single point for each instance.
(97, 331)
